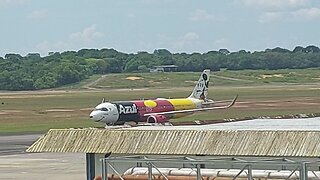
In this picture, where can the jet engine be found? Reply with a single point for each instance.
(157, 119)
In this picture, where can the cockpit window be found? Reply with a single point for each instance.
(102, 109)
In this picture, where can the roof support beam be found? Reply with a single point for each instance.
(303, 173)
(90, 165)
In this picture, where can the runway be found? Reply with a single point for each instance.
(16, 144)
(16, 164)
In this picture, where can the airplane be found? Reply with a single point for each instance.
(160, 110)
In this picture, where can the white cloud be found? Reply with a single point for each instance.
(221, 41)
(87, 34)
(309, 14)
(156, 1)
(38, 14)
(271, 17)
(77, 40)
(12, 2)
(163, 38)
(45, 47)
(306, 14)
(186, 41)
(201, 15)
(190, 36)
(274, 3)
(284, 10)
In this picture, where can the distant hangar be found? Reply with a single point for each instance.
(288, 146)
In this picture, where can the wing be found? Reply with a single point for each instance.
(194, 110)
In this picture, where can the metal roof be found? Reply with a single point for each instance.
(299, 124)
(181, 142)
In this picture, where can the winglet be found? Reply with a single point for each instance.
(226, 106)
(233, 101)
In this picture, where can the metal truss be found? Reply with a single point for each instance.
(247, 163)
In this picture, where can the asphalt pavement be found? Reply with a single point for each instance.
(16, 144)
(15, 163)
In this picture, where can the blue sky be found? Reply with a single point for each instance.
(144, 25)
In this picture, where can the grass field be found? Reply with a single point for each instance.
(221, 78)
(261, 93)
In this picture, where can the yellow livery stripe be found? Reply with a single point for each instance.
(150, 103)
(182, 104)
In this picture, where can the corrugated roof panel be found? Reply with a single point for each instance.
(181, 142)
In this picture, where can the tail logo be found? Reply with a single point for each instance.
(205, 78)
(201, 89)
(206, 83)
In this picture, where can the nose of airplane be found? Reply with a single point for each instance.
(93, 115)
(96, 116)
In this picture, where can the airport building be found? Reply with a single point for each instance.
(253, 149)
(164, 68)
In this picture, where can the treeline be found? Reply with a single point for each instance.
(33, 72)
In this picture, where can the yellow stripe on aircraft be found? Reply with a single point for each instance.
(181, 104)
(150, 103)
